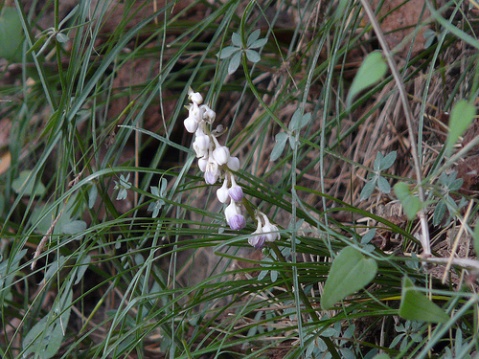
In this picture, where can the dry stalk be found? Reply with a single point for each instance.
(424, 238)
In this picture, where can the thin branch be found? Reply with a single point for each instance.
(409, 119)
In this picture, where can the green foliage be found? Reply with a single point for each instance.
(111, 244)
(11, 35)
(350, 272)
(381, 163)
(372, 70)
(235, 52)
(410, 202)
(416, 306)
(461, 118)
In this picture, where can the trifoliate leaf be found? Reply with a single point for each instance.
(383, 185)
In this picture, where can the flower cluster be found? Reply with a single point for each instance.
(265, 232)
(214, 160)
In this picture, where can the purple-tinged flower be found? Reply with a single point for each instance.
(235, 191)
(234, 218)
(195, 97)
(233, 163)
(212, 172)
(201, 145)
(257, 238)
(222, 192)
(221, 154)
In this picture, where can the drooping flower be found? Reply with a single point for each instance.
(222, 192)
(233, 163)
(234, 218)
(195, 97)
(212, 171)
(221, 154)
(202, 163)
(201, 145)
(257, 238)
(270, 231)
(235, 191)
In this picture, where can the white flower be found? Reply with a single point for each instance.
(235, 191)
(195, 97)
(234, 218)
(233, 163)
(270, 231)
(221, 154)
(212, 172)
(257, 238)
(202, 163)
(191, 124)
(201, 145)
(208, 115)
(222, 192)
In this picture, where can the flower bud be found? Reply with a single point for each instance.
(221, 154)
(222, 192)
(191, 124)
(233, 163)
(202, 163)
(201, 145)
(195, 97)
(235, 191)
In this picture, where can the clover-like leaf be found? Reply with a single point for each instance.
(278, 148)
(236, 40)
(252, 56)
(234, 63)
(253, 37)
(368, 189)
(258, 43)
(383, 185)
(227, 51)
(410, 203)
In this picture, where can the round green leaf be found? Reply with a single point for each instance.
(350, 272)
(371, 71)
(11, 35)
